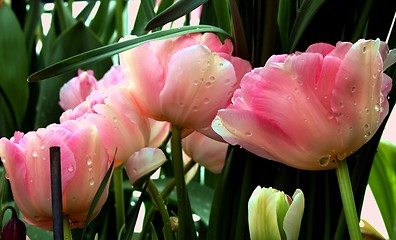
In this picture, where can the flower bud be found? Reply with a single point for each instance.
(274, 215)
(14, 229)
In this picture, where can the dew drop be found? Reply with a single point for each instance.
(37, 218)
(181, 104)
(368, 134)
(296, 90)
(227, 81)
(212, 78)
(364, 49)
(325, 96)
(248, 134)
(31, 180)
(346, 78)
(92, 132)
(341, 103)
(324, 161)
(195, 109)
(89, 161)
(367, 110)
(70, 168)
(6, 176)
(366, 126)
(91, 181)
(3, 159)
(353, 89)
(90, 168)
(74, 199)
(330, 116)
(375, 76)
(354, 103)
(221, 64)
(208, 84)
(350, 128)
(42, 147)
(288, 98)
(377, 107)
(115, 120)
(339, 131)
(307, 97)
(206, 101)
(381, 98)
(44, 158)
(34, 154)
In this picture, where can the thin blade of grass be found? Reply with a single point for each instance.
(98, 54)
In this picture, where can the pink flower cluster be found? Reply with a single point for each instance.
(307, 110)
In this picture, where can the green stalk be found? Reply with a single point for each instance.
(159, 202)
(119, 198)
(186, 228)
(348, 201)
(67, 235)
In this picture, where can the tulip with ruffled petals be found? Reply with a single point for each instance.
(274, 215)
(309, 110)
(120, 124)
(184, 80)
(208, 152)
(27, 164)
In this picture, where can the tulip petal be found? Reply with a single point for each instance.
(293, 217)
(145, 74)
(144, 162)
(198, 84)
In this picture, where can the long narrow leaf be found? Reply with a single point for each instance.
(98, 194)
(306, 12)
(177, 10)
(86, 58)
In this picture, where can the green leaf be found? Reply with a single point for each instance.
(382, 182)
(98, 194)
(177, 10)
(144, 14)
(65, 17)
(84, 14)
(306, 12)
(65, 46)
(98, 54)
(13, 65)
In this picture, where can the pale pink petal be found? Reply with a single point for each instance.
(198, 84)
(159, 130)
(144, 162)
(146, 77)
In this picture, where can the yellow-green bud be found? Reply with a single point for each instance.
(274, 215)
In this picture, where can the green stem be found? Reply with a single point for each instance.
(159, 202)
(186, 228)
(119, 198)
(67, 235)
(348, 201)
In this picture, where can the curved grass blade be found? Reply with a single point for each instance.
(98, 194)
(177, 10)
(306, 12)
(98, 54)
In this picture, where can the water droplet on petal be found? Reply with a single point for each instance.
(368, 134)
(31, 180)
(339, 131)
(206, 101)
(221, 64)
(248, 134)
(7, 176)
(3, 159)
(212, 78)
(74, 199)
(353, 89)
(42, 147)
(208, 84)
(330, 116)
(377, 107)
(341, 103)
(288, 98)
(44, 158)
(366, 126)
(324, 161)
(195, 109)
(364, 49)
(367, 110)
(90, 168)
(70, 168)
(34, 154)
(91, 181)
(89, 160)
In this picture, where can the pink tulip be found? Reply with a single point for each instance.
(308, 110)
(183, 80)
(84, 163)
(77, 89)
(205, 151)
(120, 124)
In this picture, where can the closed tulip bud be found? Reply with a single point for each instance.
(14, 229)
(274, 215)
